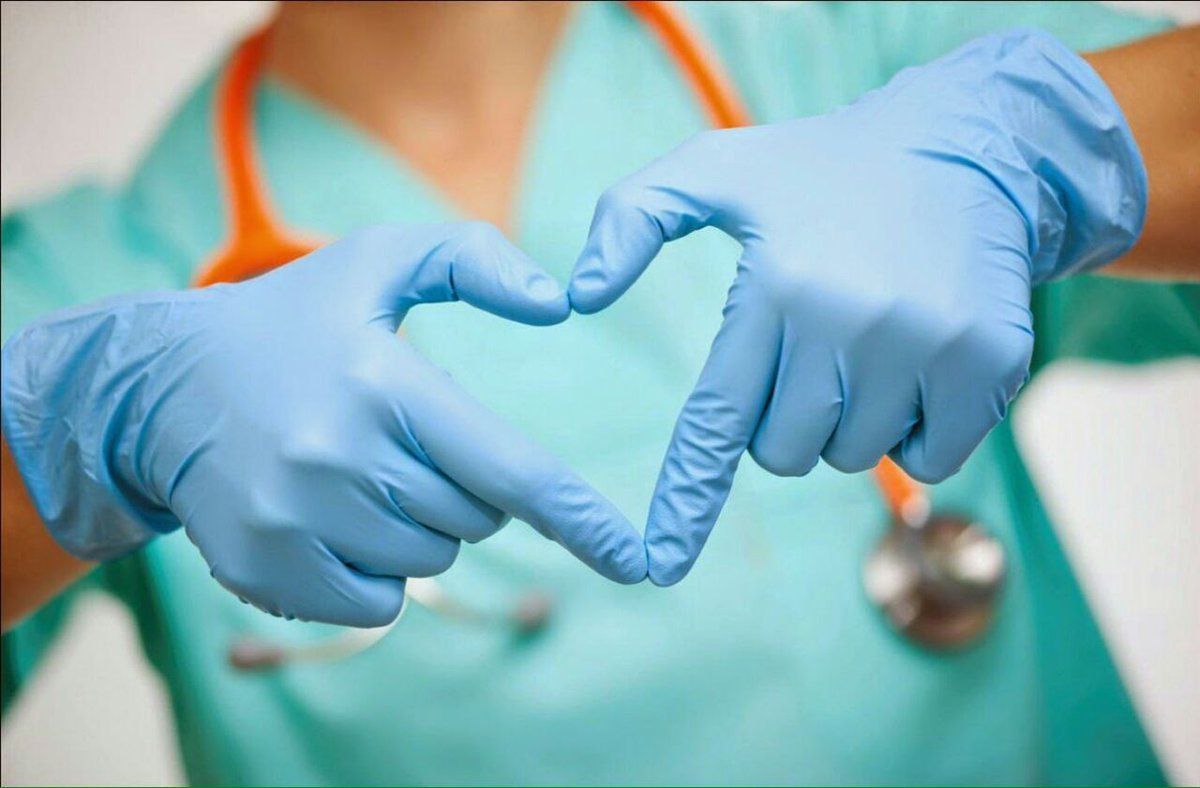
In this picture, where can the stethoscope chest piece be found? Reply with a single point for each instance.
(938, 582)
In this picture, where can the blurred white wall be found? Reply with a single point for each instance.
(84, 86)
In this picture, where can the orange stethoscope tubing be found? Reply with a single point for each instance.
(259, 242)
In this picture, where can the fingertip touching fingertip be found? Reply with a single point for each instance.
(633, 576)
(551, 314)
(547, 304)
(666, 576)
(587, 297)
(545, 289)
(665, 565)
(631, 567)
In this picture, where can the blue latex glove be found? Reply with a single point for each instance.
(314, 458)
(881, 304)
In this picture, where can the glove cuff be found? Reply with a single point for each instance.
(76, 465)
(1068, 130)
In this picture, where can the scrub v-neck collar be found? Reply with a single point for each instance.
(610, 102)
(327, 176)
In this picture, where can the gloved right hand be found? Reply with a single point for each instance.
(314, 458)
(881, 304)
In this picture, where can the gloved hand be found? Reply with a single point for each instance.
(314, 458)
(881, 304)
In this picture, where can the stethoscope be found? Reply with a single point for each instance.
(936, 578)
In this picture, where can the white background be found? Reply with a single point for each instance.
(85, 86)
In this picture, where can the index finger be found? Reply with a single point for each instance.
(671, 197)
(712, 432)
(498, 464)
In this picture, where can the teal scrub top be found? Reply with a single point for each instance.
(767, 665)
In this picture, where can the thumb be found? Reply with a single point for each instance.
(400, 266)
(667, 200)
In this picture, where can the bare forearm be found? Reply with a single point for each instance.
(1157, 83)
(33, 568)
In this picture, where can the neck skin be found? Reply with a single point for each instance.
(449, 87)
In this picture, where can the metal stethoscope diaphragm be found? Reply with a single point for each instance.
(936, 578)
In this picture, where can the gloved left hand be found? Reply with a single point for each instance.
(881, 304)
(314, 458)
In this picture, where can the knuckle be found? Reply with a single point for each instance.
(850, 460)
(929, 474)
(1000, 354)
(314, 450)
(437, 557)
(915, 321)
(448, 555)
(371, 373)
(478, 235)
(381, 612)
(236, 579)
(1005, 347)
(781, 284)
(622, 197)
(1014, 354)
(779, 463)
(265, 517)
(929, 469)
(485, 530)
